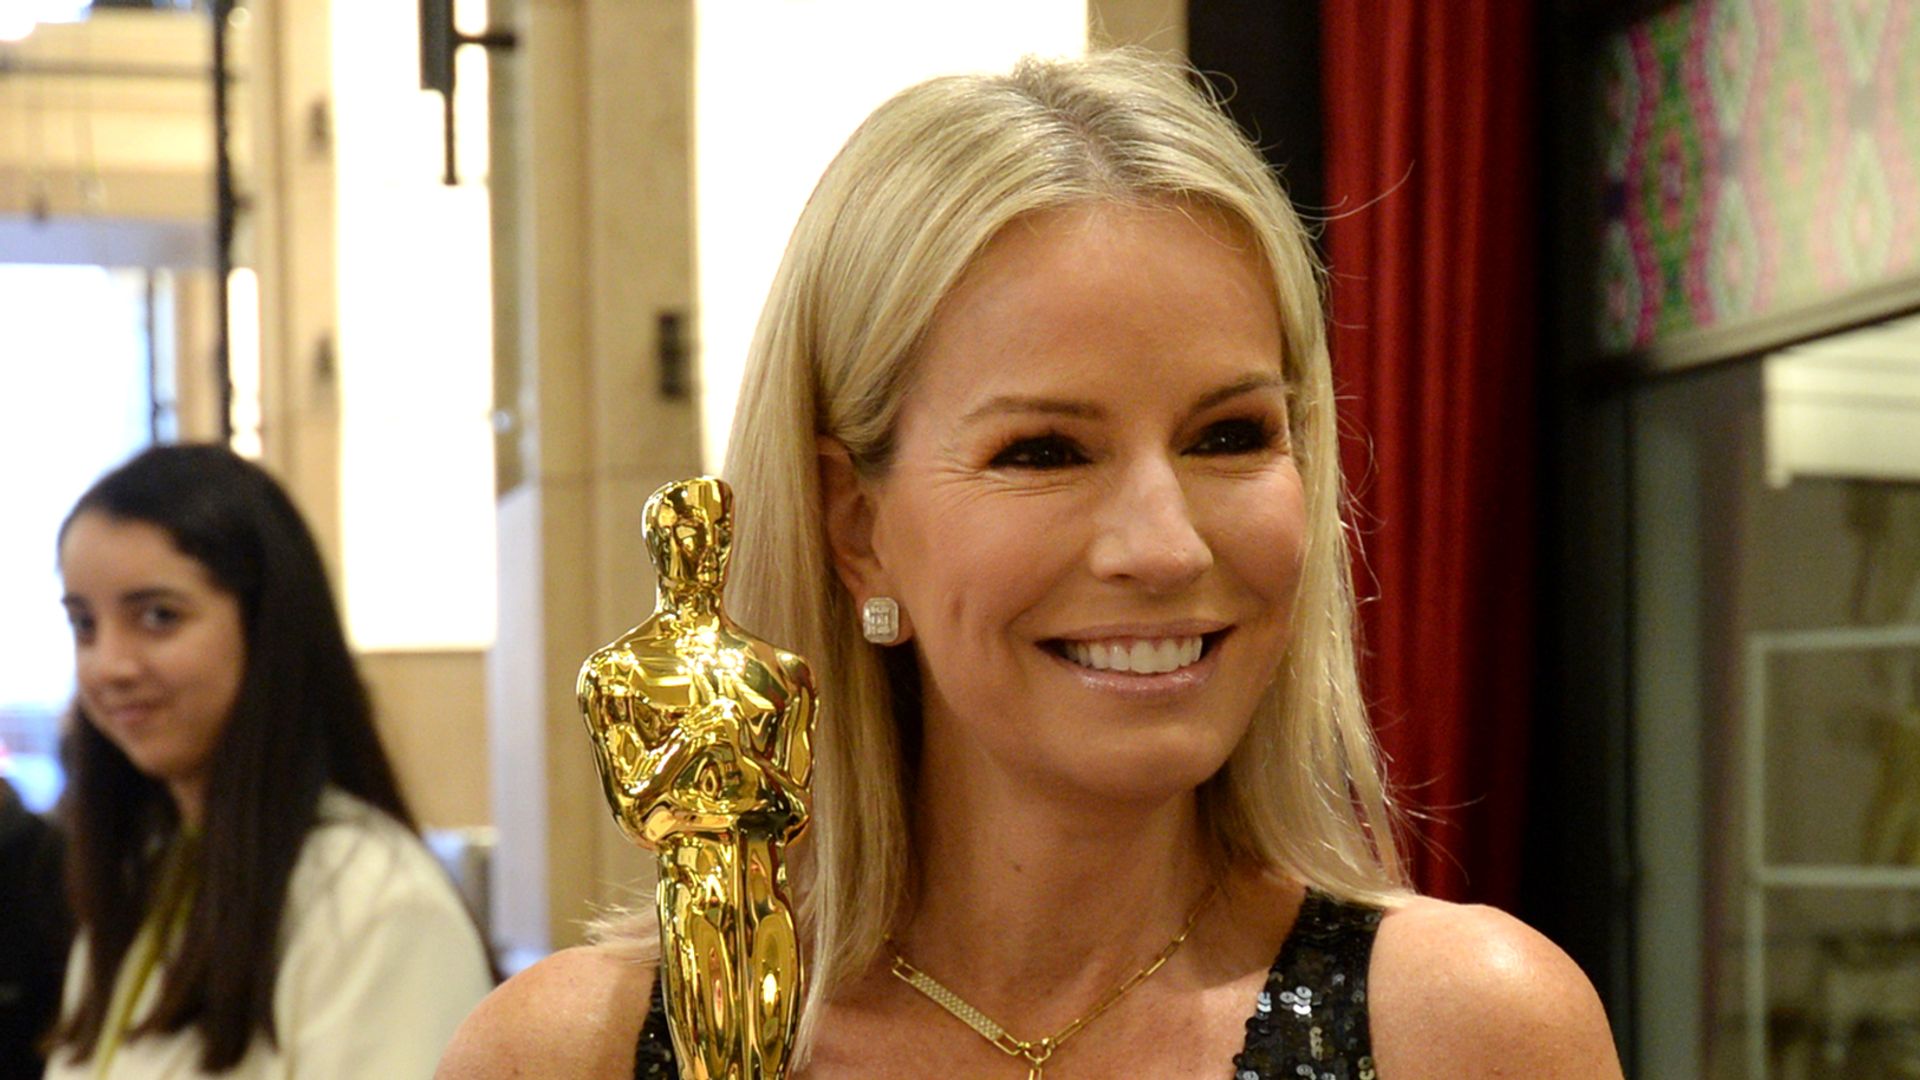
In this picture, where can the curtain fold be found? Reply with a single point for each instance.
(1431, 239)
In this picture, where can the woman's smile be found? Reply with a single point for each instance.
(128, 717)
(1137, 656)
(1140, 670)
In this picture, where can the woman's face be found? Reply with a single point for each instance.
(159, 648)
(1093, 522)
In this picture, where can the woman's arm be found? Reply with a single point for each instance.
(576, 1014)
(1472, 991)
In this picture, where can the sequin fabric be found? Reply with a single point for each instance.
(1309, 1021)
(653, 1058)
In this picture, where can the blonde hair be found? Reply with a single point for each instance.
(916, 193)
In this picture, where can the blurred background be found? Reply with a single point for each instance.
(1627, 305)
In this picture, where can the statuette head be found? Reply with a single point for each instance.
(689, 530)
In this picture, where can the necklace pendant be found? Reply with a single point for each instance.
(1037, 1071)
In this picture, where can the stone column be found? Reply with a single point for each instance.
(593, 246)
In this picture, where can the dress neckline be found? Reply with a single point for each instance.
(1309, 1018)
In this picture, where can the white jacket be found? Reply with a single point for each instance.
(381, 963)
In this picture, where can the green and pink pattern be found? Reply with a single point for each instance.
(1760, 156)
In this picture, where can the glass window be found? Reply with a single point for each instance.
(1777, 713)
(75, 399)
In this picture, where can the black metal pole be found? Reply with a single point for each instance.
(224, 214)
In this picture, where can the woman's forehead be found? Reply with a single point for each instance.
(104, 554)
(1078, 287)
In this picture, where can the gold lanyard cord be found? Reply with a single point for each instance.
(177, 883)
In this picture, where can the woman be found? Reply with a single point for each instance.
(251, 897)
(1046, 354)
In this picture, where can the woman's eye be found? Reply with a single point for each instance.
(1042, 452)
(1228, 437)
(82, 627)
(159, 618)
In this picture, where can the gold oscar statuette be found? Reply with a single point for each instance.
(703, 733)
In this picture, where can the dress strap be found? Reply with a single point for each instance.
(653, 1058)
(1309, 1020)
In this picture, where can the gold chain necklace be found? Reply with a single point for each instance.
(1036, 1052)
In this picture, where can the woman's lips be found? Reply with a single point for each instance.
(128, 715)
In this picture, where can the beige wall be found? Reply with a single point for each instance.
(593, 215)
(287, 160)
(432, 708)
(190, 295)
(1160, 25)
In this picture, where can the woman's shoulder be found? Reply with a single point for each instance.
(1461, 989)
(356, 847)
(364, 879)
(577, 1013)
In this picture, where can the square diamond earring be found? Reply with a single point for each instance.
(880, 620)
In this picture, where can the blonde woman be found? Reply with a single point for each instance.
(1046, 356)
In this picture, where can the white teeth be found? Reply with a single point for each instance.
(1141, 656)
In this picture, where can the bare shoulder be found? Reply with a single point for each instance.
(1459, 990)
(575, 1014)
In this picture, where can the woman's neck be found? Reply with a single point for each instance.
(1039, 908)
(189, 801)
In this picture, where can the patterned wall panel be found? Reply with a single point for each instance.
(1760, 156)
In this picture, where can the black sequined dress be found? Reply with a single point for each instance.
(1309, 1021)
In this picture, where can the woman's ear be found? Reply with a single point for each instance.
(849, 514)
(850, 533)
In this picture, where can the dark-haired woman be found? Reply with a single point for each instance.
(251, 896)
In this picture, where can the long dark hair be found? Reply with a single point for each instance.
(302, 721)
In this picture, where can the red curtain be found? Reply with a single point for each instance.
(1430, 181)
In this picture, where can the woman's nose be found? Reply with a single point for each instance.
(112, 656)
(1147, 533)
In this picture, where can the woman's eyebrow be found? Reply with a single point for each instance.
(1002, 404)
(131, 598)
(151, 593)
(1029, 403)
(1262, 381)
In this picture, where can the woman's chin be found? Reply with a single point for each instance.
(1138, 774)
